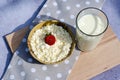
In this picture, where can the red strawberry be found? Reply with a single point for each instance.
(50, 39)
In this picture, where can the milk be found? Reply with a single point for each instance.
(88, 31)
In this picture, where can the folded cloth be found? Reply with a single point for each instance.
(24, 67)
(14, 14)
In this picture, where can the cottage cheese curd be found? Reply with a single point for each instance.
(56, 52)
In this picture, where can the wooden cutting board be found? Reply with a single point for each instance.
(89, 64)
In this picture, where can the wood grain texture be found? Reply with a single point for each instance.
(15, 38)
(105, 56)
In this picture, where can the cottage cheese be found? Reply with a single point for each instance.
(56, 52)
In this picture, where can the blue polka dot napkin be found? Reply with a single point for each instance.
(24, 67)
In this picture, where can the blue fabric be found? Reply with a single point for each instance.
(13, 17)
(14, 14)
(112, 9)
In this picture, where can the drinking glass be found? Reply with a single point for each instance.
(91, 24)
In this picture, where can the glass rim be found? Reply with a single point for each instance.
(88, 8)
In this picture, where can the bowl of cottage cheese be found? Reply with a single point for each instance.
(51, 42)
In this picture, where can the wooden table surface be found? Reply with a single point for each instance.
(89, 64)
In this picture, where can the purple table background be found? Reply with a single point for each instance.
(15, 14)
(112, 9)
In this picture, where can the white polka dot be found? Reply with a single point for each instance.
(36, 79)
(26, 49)
(76, 58)
(97, 1)
(69, 71)
(34, 21)
(12, 77)
(33, 70)
(48, 14)
(24, 40)
(87, 2)
(30, 60)
(19, 62)
(44, 68)
(64, 0)
(45, 5)
(38, 16)
(77, 5)
(41, 21)
(22, 73)
(59, 75)
(74, 26)
(68, 7)
(17, 52)
(9, 66)
(72, 16)
(58, 11)
(47, 78)
(100, 8)
(66, 61)
(55, 65)
(62, 20)
(54, 3)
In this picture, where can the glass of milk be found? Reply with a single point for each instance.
(91, 23)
